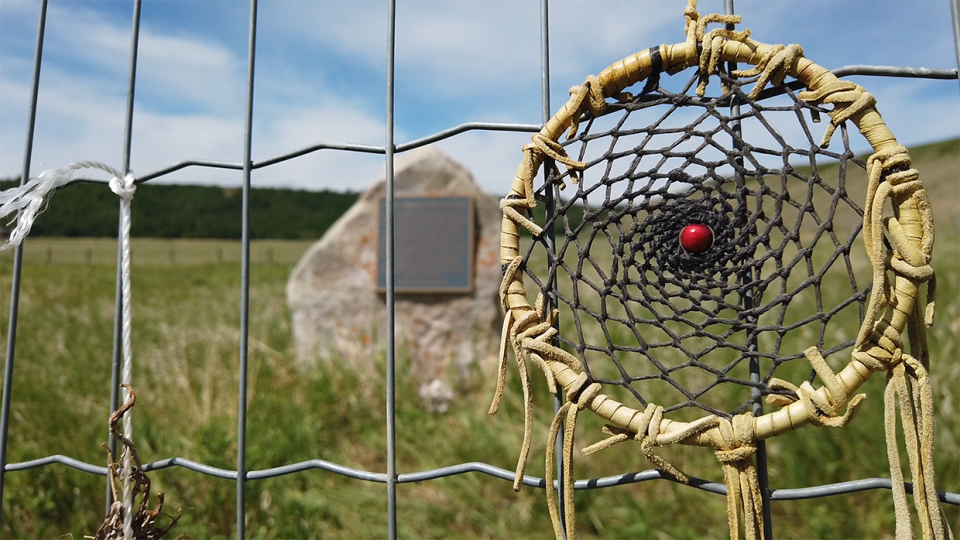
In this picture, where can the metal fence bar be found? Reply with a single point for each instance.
(897, 72)
(463, 128)
(955, 17)
(869, 71)
(865, 70)
(245, 279)
(763, 479)
(18, 258)
(811, 492)
(550, 238)
(391, 478)
(360, 148)
(118, 309)
(346, 147)
(390, 217)
(190, 163)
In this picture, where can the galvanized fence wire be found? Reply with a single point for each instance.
(391, 478)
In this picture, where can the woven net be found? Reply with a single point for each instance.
(681, 329)
(699, 247)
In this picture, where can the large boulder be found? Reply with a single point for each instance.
(338, 315)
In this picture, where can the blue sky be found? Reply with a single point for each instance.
(321, 70)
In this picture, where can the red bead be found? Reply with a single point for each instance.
(696, 238)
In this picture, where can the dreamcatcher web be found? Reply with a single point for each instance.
(653, 321)
(700, 247)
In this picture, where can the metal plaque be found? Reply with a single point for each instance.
(433, 245)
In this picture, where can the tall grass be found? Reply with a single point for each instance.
(161, 251)
(185, 374)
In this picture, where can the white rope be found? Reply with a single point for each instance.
(30, 197)
(125, 189)
(29, 200)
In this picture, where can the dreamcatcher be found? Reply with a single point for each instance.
(695, 234)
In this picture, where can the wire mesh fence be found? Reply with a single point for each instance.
(248, 252)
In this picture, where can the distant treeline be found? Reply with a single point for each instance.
(177, 211)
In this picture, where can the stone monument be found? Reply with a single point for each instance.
(339, 315)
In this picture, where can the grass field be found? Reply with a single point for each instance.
(185, 339)
(160, 251)
(185, 356)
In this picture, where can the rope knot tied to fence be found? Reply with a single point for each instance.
(24, 203)
(125, 187)
(27, 201)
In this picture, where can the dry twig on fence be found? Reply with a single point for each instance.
(144, 520)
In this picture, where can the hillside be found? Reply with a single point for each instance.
(186, 347)
(180, 211)
(939, 166)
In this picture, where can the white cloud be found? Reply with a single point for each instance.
(74, 122)
(190, 72)
(491, 157)
(88, 40)
(321, 69)
(470, 48)
(173, 71)
(332, 121)
(355, 30)
(161, 140)
(18, 8)
(917, 112)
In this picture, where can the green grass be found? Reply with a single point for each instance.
(185, 337)
(159, 251)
